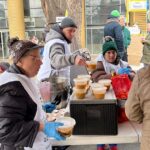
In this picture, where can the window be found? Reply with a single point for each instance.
(97, 12)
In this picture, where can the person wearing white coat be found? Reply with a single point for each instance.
(23, 123)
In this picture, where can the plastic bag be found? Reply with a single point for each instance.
(121, 85)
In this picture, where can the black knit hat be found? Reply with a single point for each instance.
(68, 22)
(19, 48)
(109, 45)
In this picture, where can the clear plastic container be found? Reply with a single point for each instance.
(68, 125)
(106, 83)
(80, 93)
(83, 76)
(99, 93)
(96, 85)
(80, 83)
(91, 65)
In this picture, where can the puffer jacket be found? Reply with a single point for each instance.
(17, 112)
(113, 29)
(137, 106)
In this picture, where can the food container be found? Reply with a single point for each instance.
(68, 126)
(80, 83)
(99, 93)
(106, 83)
(83, 76)
(96, 85)
(80, 93)
(91, 65)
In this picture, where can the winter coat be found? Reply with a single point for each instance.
(113, 29)
(17, 111)
(146, 50)
(126, 37)
(137, 106)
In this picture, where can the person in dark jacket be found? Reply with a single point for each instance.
(23, 123)
(114, 30)
(126, 37)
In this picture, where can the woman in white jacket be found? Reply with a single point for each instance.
(23, 123)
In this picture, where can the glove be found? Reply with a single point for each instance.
(48, 107)
(124, 71)
(50, 129)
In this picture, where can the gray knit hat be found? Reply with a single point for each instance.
(19, 48)
(68, 22)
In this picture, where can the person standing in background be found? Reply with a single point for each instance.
(126, 37)
(114, 30)
(146, 48)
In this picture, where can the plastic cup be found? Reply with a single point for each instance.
(91, 65)
(80, 93)
(96, 85)
(68, 125)
(99, 93)
(80, 83)
(83, 76)
(106, 83)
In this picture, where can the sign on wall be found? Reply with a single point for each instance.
(137, 5)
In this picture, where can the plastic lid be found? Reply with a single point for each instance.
(67, 121)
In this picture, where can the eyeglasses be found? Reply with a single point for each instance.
(35, 58)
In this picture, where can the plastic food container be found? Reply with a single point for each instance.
(80, 83)
(80, 93)
(83, 76)
(96, 85)
(99, 93)
(106, 83)
(91, 65)
(67, 129)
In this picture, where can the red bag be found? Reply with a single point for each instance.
(121, 85)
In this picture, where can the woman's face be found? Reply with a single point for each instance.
(110, 56)
(30, 63)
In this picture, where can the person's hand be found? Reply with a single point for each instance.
(124, 71)
(143, 40)
(80, 61)
(48, 107)
(50, 129)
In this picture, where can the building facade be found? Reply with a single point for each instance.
(34, 21)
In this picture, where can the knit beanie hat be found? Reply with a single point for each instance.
(115, 13)
(19, 48)
(68, 22)
(109, 45)
(4, 65)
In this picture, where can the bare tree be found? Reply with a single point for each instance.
(54, 8)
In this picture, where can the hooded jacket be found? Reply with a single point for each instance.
(58, 58)
(17, 111)
(57, 51)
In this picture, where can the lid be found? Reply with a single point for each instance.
(67, 121)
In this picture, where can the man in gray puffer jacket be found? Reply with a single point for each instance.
(57, 57)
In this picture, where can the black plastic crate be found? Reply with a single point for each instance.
(94, 117)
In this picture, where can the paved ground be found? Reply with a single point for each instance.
(93, 147)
